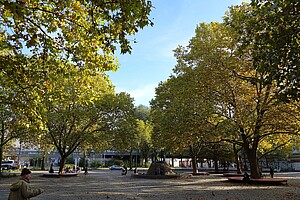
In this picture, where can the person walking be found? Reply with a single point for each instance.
(271, 172)
(21, 189)
(86, 167)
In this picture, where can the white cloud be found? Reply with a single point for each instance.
(141, 95)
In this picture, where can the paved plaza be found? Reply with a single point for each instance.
(106, 184)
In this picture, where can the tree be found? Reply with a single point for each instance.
(181, 113)
(271, 29)
(143, 113)
(70, 109)
(144, 130)
(39, 40)
(238, 90)
(11, 128)
(15, 119)
(84, 32)
(119, 113)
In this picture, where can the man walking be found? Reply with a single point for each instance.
(21, 189)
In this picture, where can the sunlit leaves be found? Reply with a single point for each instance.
(119, 114)
(271, 29)
(84, 32)
(233, 100)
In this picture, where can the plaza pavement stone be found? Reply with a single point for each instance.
(110, 184)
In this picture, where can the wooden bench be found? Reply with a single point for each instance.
(259, 180)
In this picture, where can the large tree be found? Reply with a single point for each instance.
(39, 37)
(85, 32)
(119, 114)
(241, 93)
(71, 109)
(181, 113)
(39, 40)
(17, 119)
(144, 130)
(272, 30)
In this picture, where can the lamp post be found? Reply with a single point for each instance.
(104, 159)
(136, 158)
(20, 148)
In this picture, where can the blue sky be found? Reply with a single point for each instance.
(152, 60)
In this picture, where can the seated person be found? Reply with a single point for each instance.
(124, 170)
(246, 177)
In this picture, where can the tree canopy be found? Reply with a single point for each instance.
(229, 91)
(84, 32)
(271, 29)
(53, 59)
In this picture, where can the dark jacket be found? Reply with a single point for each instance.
(21, 190)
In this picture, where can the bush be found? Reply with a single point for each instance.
(115, 162)
(95, 164)
(70, 160)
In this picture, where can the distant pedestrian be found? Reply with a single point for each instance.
(246, 177)
(21, 189)
(51, 168)
(86, 168)
(124, 170)
(271, 172)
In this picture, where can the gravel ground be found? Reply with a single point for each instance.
(106, 184)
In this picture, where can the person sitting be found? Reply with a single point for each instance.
(124, 170)
(246, 177)
(77, 169)
(51, 168)
(271, 172)
(157, 171)
(162, 171)
(67, 170)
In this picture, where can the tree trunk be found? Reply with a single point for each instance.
(254, 167)
(194, 159)
(43, 160)
(1, 158)
(252, 156)
(1, 145)
(62, 164)
(130, 160)
(194, 164)
(237, 160)
(216, 165)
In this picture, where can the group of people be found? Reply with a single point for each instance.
(66, 170)
(246, 177)
(74, 170)
(21, 189)
(124, 170)
(160, 171)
